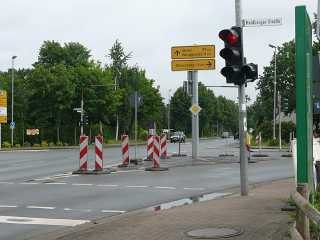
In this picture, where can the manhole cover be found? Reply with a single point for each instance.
(214, 233)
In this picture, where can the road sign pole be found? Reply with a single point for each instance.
(135, 124)
(195, 117)
(0, 136)
(81, 116)
(242, 120)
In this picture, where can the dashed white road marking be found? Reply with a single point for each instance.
(107, 185)
(6, 182)
(81, 184)
(112, 211)
(41, 207)
(191, 188)
(41, 221)
(137, 186)
(8, 206)
(29, 183)
(171, 188)
(56, 183)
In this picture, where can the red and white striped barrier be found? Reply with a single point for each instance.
(98, 153)
(150, 147)
(156, 152)
(125, 149)
(83, 159)
(164, 146)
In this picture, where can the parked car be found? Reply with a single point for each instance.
(178, 137)
(225, 135)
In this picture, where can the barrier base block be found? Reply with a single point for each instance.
(147, 159)
(158, 169)
(93, 171)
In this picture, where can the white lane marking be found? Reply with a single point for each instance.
(6, 183)
(56, 183)
(57, 176)
(41, 207)
(137, 186)
(191, 188)
(171, 188)
(8, 206)
(107, 185)
(67, 209)
(112, 211)
(41, 221)
(28, 183)
(81, 184)
(128, 171)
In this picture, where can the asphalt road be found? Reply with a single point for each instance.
(38, 194)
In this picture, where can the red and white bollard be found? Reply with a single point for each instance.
(83, 159)
(98, 166)
(164, 146)
(150, 148)
(125, 149)
(156, 152)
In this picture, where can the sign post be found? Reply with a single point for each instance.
(192, 59)
(3, 111)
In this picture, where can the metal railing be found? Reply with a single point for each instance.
(305, 212)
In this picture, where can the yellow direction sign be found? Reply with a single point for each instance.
(3, 106)
(190, 52)
(189, 65)
(195, 109)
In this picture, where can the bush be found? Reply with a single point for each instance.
(44, 144)
(143, 134)
(273, 142)
(27, 144)
(51, 144)
(17, 145)
(66, 144)
(6, 144)
(36, 145)
(59, 144)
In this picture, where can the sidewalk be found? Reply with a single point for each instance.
(259, 216)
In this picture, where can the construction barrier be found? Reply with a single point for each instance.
(98, 143)
(150, 148)
(156, 152)
(164, 146)
(83, 159)
(125, 149)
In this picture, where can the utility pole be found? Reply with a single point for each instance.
(279, 104)
(169, 97)
(117, 115)
(135, 124)
(12, 98)
(195, 117)
(242, 119)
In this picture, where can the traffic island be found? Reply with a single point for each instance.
(94, 172)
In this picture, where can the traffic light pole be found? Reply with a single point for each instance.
(242, 119)
(81, 114)
(195, 117)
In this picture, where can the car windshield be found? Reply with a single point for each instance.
(178, 133)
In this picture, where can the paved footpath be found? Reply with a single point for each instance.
(259, 216)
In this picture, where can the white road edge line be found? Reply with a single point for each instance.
(107, 185)
(81, 184)
(6, 183)
(136, 186)
(41, 221)
(56, 183)
(191, 188)
(40, 207)
(8, 206)
(29, 183)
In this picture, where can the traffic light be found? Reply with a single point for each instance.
(233, 55)
(85, 119)
(250, 72)
(285, 105)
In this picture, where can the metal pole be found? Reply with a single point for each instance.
(81, 115)
(12, 98)
(274, 93)
(242, 119)
(135, 123)
(117, 116)
(0, 136)
(195, 117)
(169, 114)
(279, 103)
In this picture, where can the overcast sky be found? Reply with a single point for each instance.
(148, 28)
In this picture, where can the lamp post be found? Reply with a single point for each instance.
(274, 90)
(12, 93)
(169, 113)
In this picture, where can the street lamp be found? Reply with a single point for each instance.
(274, 90)
(12, 93)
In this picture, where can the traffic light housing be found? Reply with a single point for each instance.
(250, 72)
(285, 105)
(232, 54)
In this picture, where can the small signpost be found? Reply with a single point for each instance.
(192, 59)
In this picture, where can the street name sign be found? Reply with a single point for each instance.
(195, 109)
(190, 65)
(3, 106)
(191, 52)
(261, 22)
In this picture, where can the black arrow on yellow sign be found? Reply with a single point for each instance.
(177, 52)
